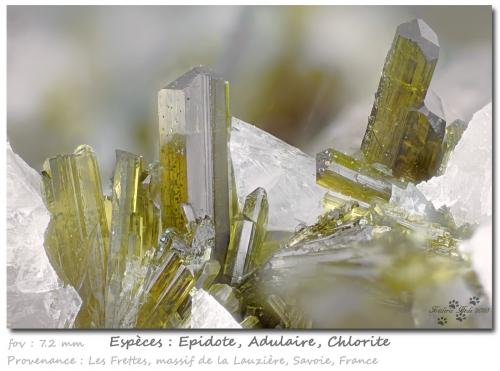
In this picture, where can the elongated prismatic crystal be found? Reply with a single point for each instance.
(194, 132)
(403, 86)
(352, 177)
(76, 240)
(247, 236)
(134, 225)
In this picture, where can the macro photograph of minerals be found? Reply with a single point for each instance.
(249, 167)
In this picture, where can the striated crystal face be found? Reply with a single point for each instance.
(452, 136)
(194, 132)
(420, 152)
(77, 238)
(166, 288)
(352, 177)
(406, 76)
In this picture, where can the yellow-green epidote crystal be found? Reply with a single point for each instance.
(194, 132)
(77, 237)
(247, 236)
(401, 133)
(405, 137)
(452, 136)
(352, 177)
(134, 225)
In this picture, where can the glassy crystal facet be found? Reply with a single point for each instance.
(452, 136)
(247, 236)
(352, 177)
(420, 152)
(406, 76)
(194, 132)
(135, 226)
(76, 240)
(36, 296)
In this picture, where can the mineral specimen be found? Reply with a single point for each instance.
(420, 152)
(208, 313)
(166, 287)
(333, 281)
(452, 135)
(194, 131)
(465, 187)
(247, 236)
(36, 296)
(133, 228)
(369, 250)
(285, 172)
(403, 86)
(228, 297)
(207, 274)
(76, 240)
(351, 177)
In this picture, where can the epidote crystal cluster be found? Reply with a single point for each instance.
(231, 228)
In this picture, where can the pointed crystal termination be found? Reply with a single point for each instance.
(247, 236)
(405, 79)
(452, 136)
(206, 276)
(76, 240)
(194, 133)
(420, 153)
(134, 229)
(352, 177)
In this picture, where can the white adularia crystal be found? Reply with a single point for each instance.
(466, 185)
(37, 298)
(208, 313)
(286, 173)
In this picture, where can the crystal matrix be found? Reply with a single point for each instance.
(465, 186)
(194, 130)
(36, 297)
(285, 172)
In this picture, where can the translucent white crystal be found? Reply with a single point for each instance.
(286, 173)
(206, 312)
(411, 199)
(466, 185)
(36, 296)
